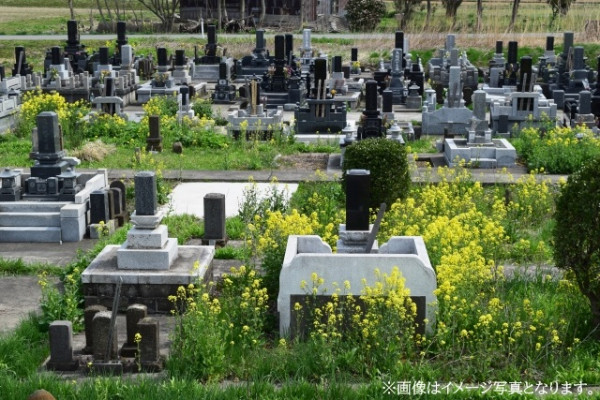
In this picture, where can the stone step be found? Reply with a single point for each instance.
(31, 206)
(30, 234)
(484, 162)
(29, 219)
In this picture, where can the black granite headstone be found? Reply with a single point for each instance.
(358, 183)
(279, 47)
(214, 216)
(499, 46)
(154, 140)
(103, 56)
(549, 43)
(56, 55)
(222, 70)
(526, 71)
(109, 86)
(371, 95)
(49, 141)
(568, 42)
(18, 58)
(578, 58)
(399, 42)
(585, 102)
(513, 48)
(320, 70)
(180, 57)
(161, 54)
(289, 45)
(2, 73)
(121, 32)
(185, 93)
(388, 101)
(99, 207)
(346, 70)
(260, 40)
(353, 54)
(145, 193)
(337, 64)
(72, 33)
(212, 34)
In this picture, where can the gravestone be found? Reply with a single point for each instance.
(10, 187)
(149, 329)
(214, 219)
(118, 192)
(154, 140)
(371, 122)
(358, 183)
(134, 314)
(21, 67)
(61, 347)
(88, 318)
(99, 210)
(145, 193)
(101, 325)
(224, 92)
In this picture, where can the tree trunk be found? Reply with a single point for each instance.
(224, 6)
(428, 16)
(263, 11)
(219, 15)
(513, 17)
(479, 14)
(242, 10)
(71, 9)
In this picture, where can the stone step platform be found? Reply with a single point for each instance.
(25, 219)
(30, 234)
(31, 206)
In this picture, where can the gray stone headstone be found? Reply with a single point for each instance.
(126, 55)
(568, 40)
(88, 317)
(145, 193)
(578, 58)
(450, 42)
(100, 334)
(121, 186)
(585, 102)
(214, 216)
(358, 183)
(99, 207)
(61, 346)
(134, 314)
(388, 101)
(149, 328)
(479, 107)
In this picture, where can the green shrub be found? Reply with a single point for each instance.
(388, 164)
(364, 15)
(577, 232)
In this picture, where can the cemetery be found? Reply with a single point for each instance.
(426, 238)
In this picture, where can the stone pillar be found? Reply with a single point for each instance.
(101, 328)
(214, 218)
(103, 56)
(61, 347)
(154, 140)
(149, 328)
(145, 193)
(88, 317)
(358, 182)
(135, 313)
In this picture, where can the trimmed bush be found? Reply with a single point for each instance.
(577, 232)
(364, 15)
(388, 164)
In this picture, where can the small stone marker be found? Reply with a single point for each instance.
(61, 347)
(154, 140)
(88, 317)
(135, 313)
(358, 182)
(148, 328)
(214, 217)
(99, 208)
(145, 193)
(101, 335)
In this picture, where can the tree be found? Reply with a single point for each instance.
(451, 9)
(479, 14)
(559, 7)
(513, 15)
(577, 232)
(364, 15)
(407, 9)
(165, 10)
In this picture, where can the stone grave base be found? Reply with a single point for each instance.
(500, 154)
(148, 287)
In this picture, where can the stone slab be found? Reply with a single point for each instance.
(147, 238)
(147, 259)
(30, 219)
(73, 229)
(31, 234)
(103, 269)
(73, 210)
